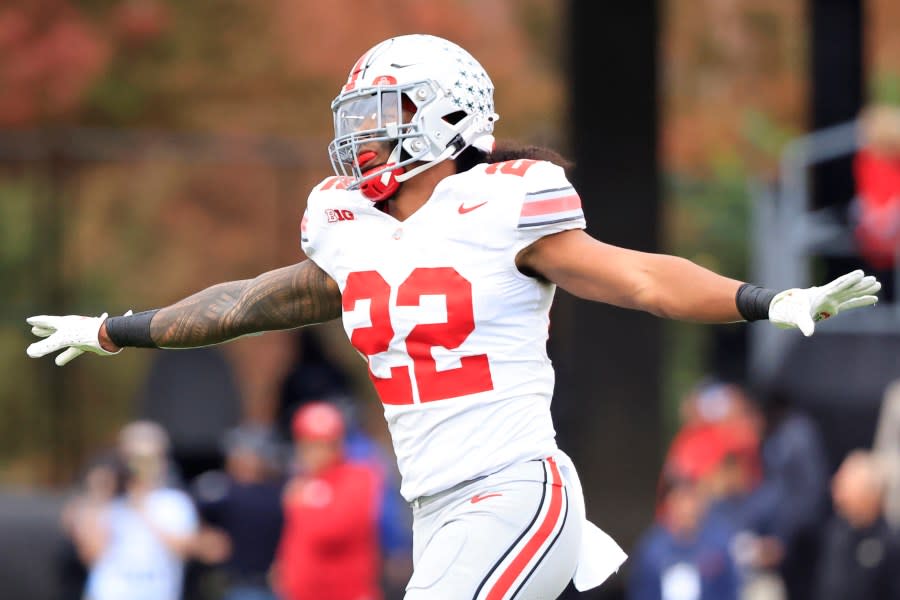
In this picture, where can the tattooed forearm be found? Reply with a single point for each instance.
(293, 296)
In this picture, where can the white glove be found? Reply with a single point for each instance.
(803, 308)
(75, 333)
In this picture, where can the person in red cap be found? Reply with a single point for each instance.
(329, 545)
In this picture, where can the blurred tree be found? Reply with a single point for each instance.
(49, 55)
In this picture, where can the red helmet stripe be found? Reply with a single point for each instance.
(355, 71)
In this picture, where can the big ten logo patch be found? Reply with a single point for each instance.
(338, 214)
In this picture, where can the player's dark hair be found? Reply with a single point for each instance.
(504, 151)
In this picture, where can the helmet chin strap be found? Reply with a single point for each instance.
(385, 185)
(447, 153)
(483, 142)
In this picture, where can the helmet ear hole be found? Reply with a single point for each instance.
(408, 105)
(455, 117)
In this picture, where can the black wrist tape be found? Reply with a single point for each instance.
(753, 301)
(133, 330)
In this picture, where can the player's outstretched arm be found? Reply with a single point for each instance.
(285, 298)
(673, 287)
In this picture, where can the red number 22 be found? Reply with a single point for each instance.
(472, 376)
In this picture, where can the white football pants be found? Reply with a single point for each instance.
(513, 534)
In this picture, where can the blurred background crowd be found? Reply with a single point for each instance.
(748, 506)
(306, 508)
(149, 148)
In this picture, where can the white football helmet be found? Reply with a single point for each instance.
(447, 97)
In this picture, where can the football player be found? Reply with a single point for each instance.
(442, 260)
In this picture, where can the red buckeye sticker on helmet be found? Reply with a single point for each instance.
(385, 80)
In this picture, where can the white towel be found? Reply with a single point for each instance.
(600, 556)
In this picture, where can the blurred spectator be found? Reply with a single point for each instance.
(315, 377)
(734, 479)
(718, 420)
(135, 544)
(685, 555)
(101, 482)
(766, 476)
(329, 546)
(719, 444)
(887, 445)
(861, 556)
(734, 486)
(792, 501)
(241, 511)
(395, 516)
(877, 172)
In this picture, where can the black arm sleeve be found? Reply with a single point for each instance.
(133, 330)
(753, 301)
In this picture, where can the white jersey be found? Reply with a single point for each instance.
(455, 336)
(136, 564)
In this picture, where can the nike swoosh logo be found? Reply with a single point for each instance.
(479, 497)
(463, 209)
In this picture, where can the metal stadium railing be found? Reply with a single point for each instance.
(789, 235)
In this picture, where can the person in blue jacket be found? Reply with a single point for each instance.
(684, 555)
